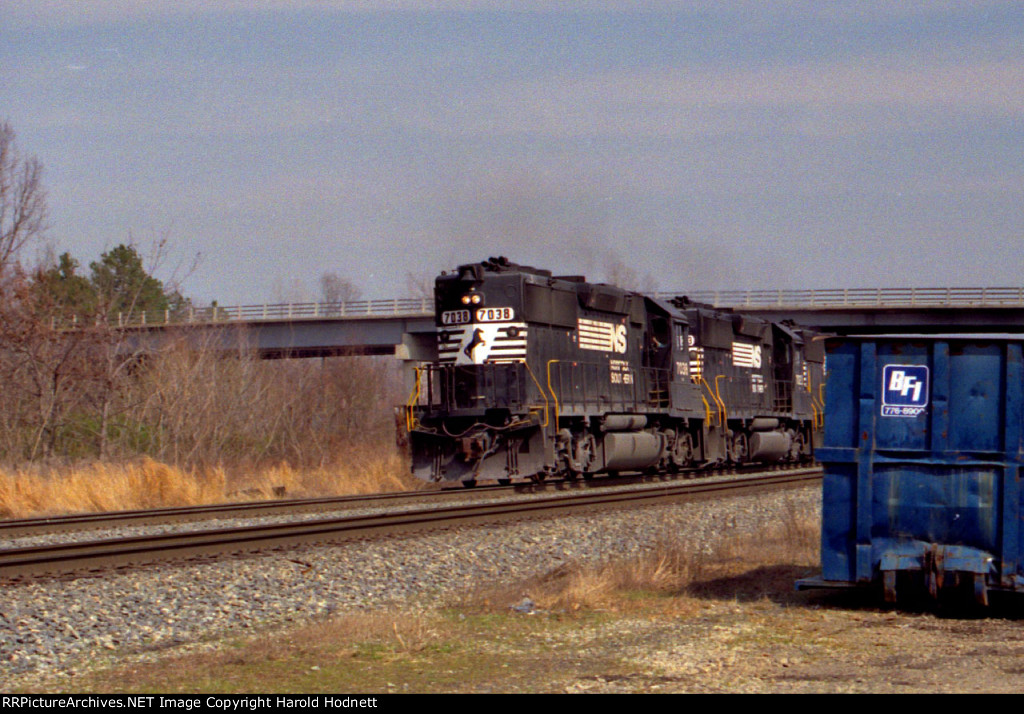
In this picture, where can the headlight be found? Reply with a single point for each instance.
(475, 299)
(465, 299)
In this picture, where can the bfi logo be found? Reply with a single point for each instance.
(904, 390)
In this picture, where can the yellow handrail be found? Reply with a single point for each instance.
(541, 390)
(721, 402)
(410, 404)
(707, 409)
(552, 391)
(713, 393)
(819, 420)
(707, 406)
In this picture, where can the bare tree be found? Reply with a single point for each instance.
(22, 198)
(334, 288)
(419, 286)
(70, 390)
(47, 372)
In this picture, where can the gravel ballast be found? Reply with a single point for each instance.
(57, 628)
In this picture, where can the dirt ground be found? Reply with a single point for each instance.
(736, 624)
(741, 637)
(748, 633)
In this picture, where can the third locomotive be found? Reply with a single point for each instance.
(539, 375)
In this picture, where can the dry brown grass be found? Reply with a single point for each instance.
(362, 470)
(397, 633)
(105, 487)
(380, 634)
(151, 484)
(672, 568)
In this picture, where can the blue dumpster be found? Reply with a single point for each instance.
(922, 455)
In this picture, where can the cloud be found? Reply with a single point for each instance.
(76, 12)
(766, 144)
(804, 98)
(755, 15)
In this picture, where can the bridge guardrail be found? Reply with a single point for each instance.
(423, 307)
(396, 307)
(861, 297)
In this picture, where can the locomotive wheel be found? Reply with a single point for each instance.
(798, 452)
(586, 453)
(682, 451)
(740, 453)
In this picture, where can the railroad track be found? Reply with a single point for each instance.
(84, 558)
(22, 527)
(16, 528)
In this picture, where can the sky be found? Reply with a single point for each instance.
(677, 145)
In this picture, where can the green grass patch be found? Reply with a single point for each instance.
(448, 652)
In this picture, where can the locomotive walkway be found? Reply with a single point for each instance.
(404, 327)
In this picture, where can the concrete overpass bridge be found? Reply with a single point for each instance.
(404, 327)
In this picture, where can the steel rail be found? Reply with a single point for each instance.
(116, 519)
(82, 557)
(76, 522)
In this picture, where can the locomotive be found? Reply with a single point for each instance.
(540, 375)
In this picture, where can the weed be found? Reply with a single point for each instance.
(671, 573)
(150, 484)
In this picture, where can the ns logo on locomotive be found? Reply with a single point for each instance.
(540, 375)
